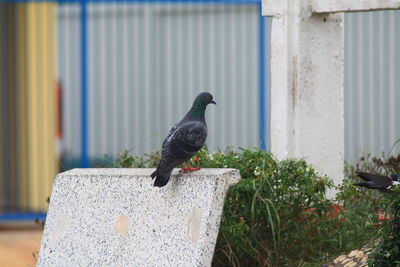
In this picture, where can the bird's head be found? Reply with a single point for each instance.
(394, 177)
(200, 104)
(204, 99)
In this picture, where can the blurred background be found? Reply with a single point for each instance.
(82, 81)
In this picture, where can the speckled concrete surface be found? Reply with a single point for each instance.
(115, 217)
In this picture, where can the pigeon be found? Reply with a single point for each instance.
(377, 181)
(184, 140)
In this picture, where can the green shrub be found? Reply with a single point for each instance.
(127, 161)
(278, 214)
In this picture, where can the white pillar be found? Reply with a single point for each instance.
(307, 108)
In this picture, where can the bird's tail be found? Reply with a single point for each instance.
(161, 178)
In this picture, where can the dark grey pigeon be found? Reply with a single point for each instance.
(184, 139)
(377, 181)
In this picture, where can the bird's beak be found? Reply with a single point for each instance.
(213, 102)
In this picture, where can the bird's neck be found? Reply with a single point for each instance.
(197, 111)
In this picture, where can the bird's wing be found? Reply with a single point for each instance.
(188, 138)
(170, 134)
(378, 179)
(182, 142)
(167, 160)
(369, 184)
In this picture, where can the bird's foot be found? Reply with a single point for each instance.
(188, 168)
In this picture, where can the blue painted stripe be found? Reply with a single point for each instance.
(84, 85)
(26, 1)
(22, 216)
(262, 86)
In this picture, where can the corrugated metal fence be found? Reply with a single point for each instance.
(372, 83)
(147, 62)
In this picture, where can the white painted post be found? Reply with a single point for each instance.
(307, 110)
(307, 107)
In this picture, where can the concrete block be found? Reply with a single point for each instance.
(115, 217)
